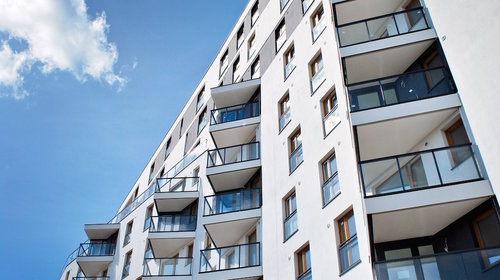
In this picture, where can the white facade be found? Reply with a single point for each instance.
(410, 150)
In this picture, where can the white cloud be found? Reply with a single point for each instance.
(59, 36)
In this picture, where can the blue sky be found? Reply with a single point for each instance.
(77, 123)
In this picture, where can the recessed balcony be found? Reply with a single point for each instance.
(235, 124)
(231, 167)
(169, 233)
(240, 261)
(234, 94)
(167, 268)
(95, 256)
(175, 194)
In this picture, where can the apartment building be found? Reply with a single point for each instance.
(327, 140)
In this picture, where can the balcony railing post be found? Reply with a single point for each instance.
(381, 92)
(396, 24)
(475, 162)
(239, 255)
(400, 175)
(437, 168)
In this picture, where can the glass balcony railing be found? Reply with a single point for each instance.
(474, 264)
(331, 120)
(92, 278)
(280, 41)
(235, 113)
(400, 88)
(331, 189)
(173, 223)
(382, 27)
(306, 275)
(285, 119)
(289, 67)
(430, 168)
(291, 226)
(296, 158)
(306, 4)
(320, 26)
(317, 79)
(233, 154)
(96, 248)
(230, 257)
(283, 3)
(234, 201)
(167, 266)
(177, 184)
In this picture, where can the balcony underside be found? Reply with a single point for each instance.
(420, 221)
(392, 60)
(233, 94)
(101, 231)
(235, 132)
(350, 11)
(398, 136)
(227, 229)
(166, 244)
(232, 176)
(93, 265)
(177, 277)
(174, 201)
(247, 273)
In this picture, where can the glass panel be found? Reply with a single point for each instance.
(456, 164)
(353, 34)
(231, 202)
(402, 270)
(382, 177)
(291, 225)
(382, 27)
(296, 158)
(231, 257)
(289, 67)
(397, 254)
(331, 120)
(331, 189)
(317, 79)
(318, 28)
(285, 119)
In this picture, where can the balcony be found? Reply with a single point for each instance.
(234, 94)
(231, 262)
(228, 216)
(92, 278)
(290, 225)
(463, 265)
(175, 194)
(231, 167)
(95, 256)
(234, 124)
(101, 231)
(168, 268)
(169, 233)
(296, 158)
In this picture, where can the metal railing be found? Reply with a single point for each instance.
(233, 201)
(290, 225)
(401, 88)
(380, 27)
(172, 223)
(167, 266)
(473, 264)
(331, 188)
(177, 184)
(230, 257)
(96, 248)
(233, 154)
(422, 169)
(296, 158)
(235, 113)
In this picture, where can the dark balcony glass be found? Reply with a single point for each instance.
(177, 184)
(233, 154)
(422, 169)
(96, 248)
(230, 257)
(382, 27)
(475, 264)
(232, 202)
(173, 223)
(235, 113)
(167, 266)
(401, 88)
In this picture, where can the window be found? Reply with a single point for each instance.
(180, 129)
(284, 112)
(186, 144)
(236, 68)
(151, 172)
(202, 120)
(128, 232)
(305, 5)
(224, 62)
(290, 222)
(330, 115)
(304, 263)
(167, 148)
(317, 73)
(147, 219)
(256, 68)
(67, 275)
(283, 4)
(239, 37)
(486, 228)
(331, 186)
(255, 12)
(253, 248)
(348, 247)
(199, 99)
(456, 135)
(317, 23)
(280, 35)
(251, 46)
(126, 266)
(196, 173)
(148, 254)
(190, 252)
(289, 60)
(296, 157)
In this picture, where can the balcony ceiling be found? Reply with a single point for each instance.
(419, 222)
(168, 247)
(398, 136)
(234, 94)
(232, 176)
(228, 233)
(92, 266)
(164, 203)
(350, 11)
(101, 231)
(234, 133)
(383, 63)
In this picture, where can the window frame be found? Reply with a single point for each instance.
(302, 261)
(346, 239)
